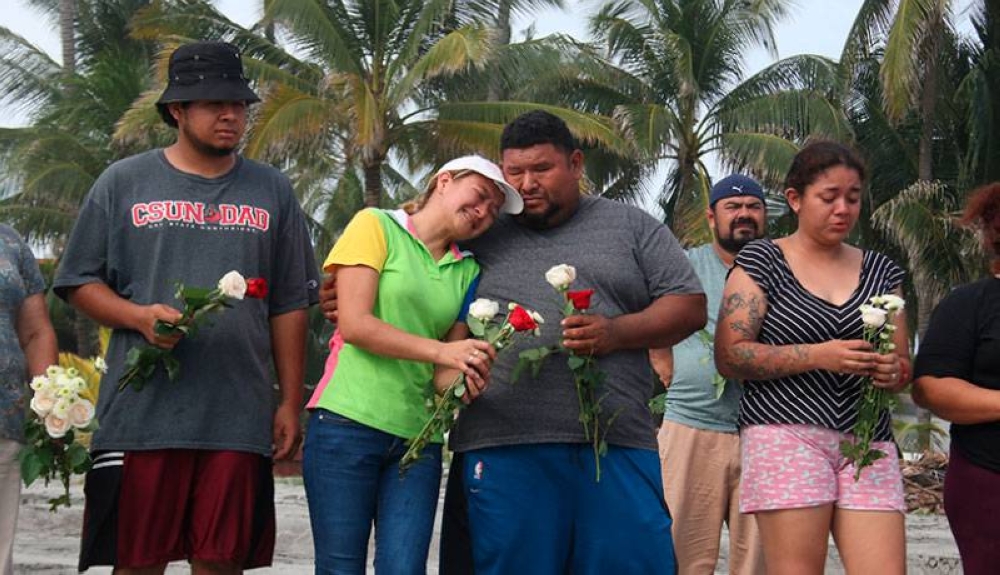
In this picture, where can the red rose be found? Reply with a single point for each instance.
(256, 288)
(580, 298)
(521, 320)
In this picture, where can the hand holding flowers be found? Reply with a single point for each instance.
(877, 317)
(62, 405)
(584, 336)
(141, 362)
(499, 335)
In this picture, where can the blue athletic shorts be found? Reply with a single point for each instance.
(538, 509)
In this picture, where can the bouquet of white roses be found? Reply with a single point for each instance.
(483, 325)
(61, 406)
(877, 317)
(141, 362)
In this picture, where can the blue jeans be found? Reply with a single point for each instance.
(352, 480)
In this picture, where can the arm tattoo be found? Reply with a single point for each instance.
(754, 309)
(748, 357)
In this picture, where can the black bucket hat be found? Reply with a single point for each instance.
(205, 71)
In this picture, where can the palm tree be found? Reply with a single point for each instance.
(364, 86)
(675, 63)
(56, 159)
(911, 68)
(52, 163)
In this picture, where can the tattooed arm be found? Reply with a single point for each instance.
(738, 354)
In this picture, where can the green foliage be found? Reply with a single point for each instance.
(43, 457)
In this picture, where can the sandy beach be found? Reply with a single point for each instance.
(48, 543)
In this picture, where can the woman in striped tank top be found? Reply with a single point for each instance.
(790, 328)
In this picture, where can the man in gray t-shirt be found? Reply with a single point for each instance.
(183, 468)
(527, 469)
(699, 443)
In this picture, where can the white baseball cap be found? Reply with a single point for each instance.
(513, 204)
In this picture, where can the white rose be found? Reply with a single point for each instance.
(42, 402)
(40, 382)
(63, 381)
(484, 309)
(233, 285)
(872, 316)
(100, 365)
(80, 414)
(78, 384)
(56, 426)
(560, 276)
(893, 302)
(61, 408)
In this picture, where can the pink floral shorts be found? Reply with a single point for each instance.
(797, 466)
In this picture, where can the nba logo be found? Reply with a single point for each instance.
(477, 472)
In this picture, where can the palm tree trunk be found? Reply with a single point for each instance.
(373, 183)
(67, 34)
(495, 93)
(925, 172)
(928, 99)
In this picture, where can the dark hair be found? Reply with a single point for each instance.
(167, 116)
(537, 127)
(817, 157)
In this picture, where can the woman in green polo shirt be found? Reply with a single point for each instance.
(403, 288)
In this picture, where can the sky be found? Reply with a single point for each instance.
(815, 26)
(812, 27)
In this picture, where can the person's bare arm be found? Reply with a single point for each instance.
(666, 321)
(957, 400)
(662, 360)
(444, 377)
(288, 348)
(738, 354)
(328, 297)
(356, 290)
(36, 334)
(107, 308)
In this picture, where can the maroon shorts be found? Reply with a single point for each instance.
(147, 508)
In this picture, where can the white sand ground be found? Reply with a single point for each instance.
(48, 543)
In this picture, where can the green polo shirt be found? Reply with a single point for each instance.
(415, 294)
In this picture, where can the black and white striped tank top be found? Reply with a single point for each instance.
(796, 316)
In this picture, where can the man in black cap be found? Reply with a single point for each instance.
(699, 443)
(182, 469)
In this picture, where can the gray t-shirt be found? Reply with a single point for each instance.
(630, 259)
(143, 227)
(691, 398)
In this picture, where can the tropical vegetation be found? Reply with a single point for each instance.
(362, 98)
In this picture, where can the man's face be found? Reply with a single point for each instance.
(736, 221)
(213, 128)
(548, 180)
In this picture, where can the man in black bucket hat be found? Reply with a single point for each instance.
(204, 71)
(183, 467)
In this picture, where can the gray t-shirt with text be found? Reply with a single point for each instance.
(145, 226)
(630, 259)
